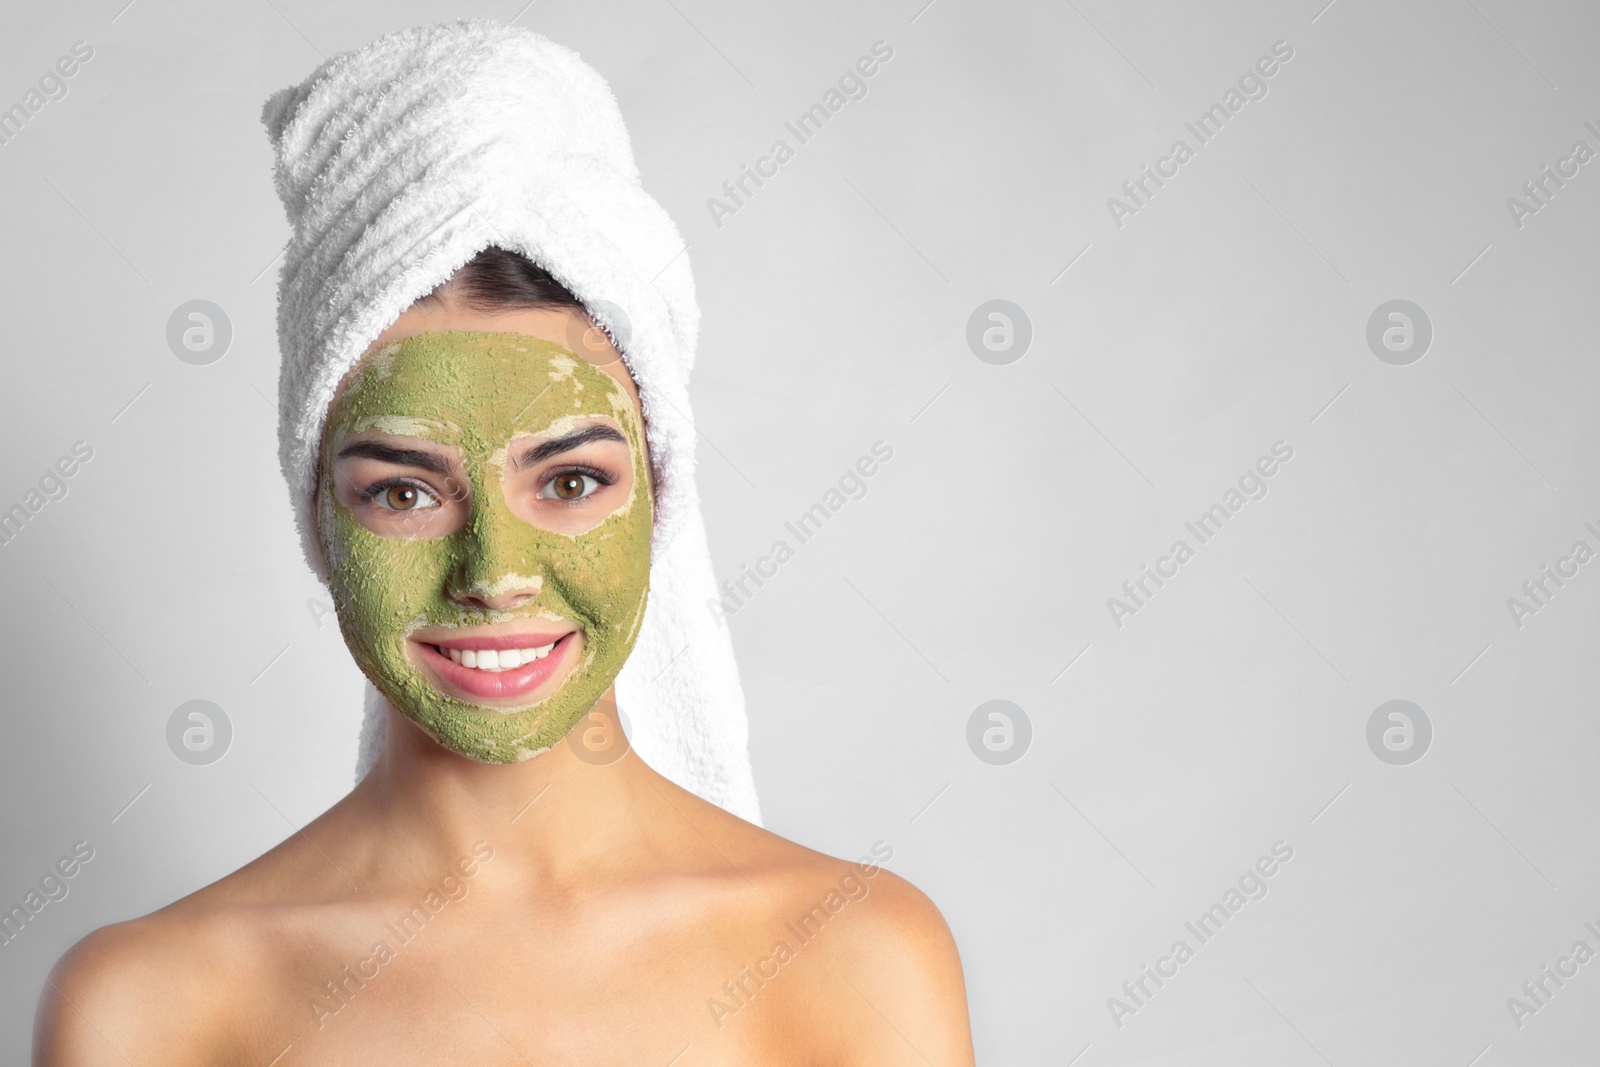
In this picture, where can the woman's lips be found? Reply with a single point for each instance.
(496, 641)
(491, 685)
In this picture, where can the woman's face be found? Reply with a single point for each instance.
(485, 510)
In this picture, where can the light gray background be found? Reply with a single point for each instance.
(1228, 314)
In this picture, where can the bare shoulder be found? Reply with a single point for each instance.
(113, 995)
(895, 990)
(901, 920)
(166, 987)
(876, 974)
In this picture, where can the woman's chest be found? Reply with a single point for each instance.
(488, 997)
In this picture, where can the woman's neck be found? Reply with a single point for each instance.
(567, 813)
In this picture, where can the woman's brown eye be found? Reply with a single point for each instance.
(403, 498)
(570, 486)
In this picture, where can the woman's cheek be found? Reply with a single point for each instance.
(382, 584)
(616, 568)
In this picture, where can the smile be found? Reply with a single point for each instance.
(488, 659)
(496, 667)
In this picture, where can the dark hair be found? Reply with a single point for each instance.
(498, 278)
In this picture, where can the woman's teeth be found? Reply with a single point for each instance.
(493, 660)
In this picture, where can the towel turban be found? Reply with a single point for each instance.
(397, 162)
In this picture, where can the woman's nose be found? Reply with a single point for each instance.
(495, 572)
(510, 592)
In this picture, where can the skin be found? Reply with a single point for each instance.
(572, 907)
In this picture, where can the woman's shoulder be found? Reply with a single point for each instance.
(786, 875)
(163, 986)
(871, 957)
(143, 989)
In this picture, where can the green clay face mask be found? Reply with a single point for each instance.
(500, 544)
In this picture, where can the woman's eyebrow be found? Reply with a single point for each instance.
(557, 445)
(404, 457)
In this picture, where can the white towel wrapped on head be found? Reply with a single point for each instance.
(399, 161)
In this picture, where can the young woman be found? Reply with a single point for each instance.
(485, 504)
